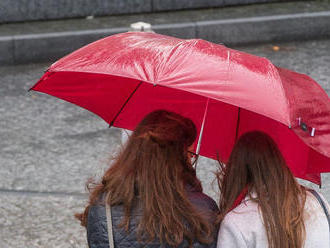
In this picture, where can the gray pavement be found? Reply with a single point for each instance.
(49, 148)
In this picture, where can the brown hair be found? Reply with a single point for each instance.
(256, 162)
(154, 167)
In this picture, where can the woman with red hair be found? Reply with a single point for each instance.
(155, 197)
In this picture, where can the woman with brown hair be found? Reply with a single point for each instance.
(155, 197)
(261, 203)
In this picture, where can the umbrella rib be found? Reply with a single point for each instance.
(237, 124)
(125, 103)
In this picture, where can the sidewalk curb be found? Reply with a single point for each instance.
(241, 31)
(18, 49)
(34, 10)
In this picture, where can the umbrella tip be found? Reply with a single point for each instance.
(141, 26)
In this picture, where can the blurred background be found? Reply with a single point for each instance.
(49, 148)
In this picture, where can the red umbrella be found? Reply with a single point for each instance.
(225, 92)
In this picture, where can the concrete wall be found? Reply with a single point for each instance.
(29, 10)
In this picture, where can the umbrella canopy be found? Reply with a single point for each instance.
(123, 77)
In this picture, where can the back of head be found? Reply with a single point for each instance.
(152, 170)
(257, 163)
(166, 127)
(157, 147)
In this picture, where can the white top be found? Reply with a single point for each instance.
(243, 226)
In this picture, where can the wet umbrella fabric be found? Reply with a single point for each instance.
(123, 77)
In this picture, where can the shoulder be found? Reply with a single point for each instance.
(245, 213)
(97, 227)
(230, 233)
(202, 201)
(97, 230)
(312, 199)
(316, 223)
(236, 229)
(313, 208)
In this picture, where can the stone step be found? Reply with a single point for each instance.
(50, 40)
(29, 10)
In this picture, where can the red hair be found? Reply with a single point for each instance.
(154, 167)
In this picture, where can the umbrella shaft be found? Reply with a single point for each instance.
(202, 128)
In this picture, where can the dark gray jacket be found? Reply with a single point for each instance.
(97, 233)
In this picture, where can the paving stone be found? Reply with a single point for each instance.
(47, 144)
(27, 10)
(6, 50)
(161, 5)
(38, 221)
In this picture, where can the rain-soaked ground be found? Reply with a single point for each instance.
(49, 148)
